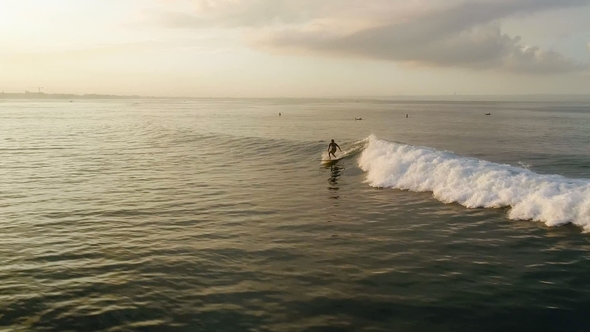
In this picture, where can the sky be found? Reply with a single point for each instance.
(295, 48)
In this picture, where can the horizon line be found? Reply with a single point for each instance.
(32, 95)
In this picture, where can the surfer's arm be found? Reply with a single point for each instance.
(339, 147)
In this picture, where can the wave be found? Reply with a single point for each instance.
(473, 183)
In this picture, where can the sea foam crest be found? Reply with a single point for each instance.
(552, 199)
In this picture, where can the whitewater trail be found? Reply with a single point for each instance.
(473, 183)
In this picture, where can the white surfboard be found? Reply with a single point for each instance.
(330, 161)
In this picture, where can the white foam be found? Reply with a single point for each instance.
(473, 183)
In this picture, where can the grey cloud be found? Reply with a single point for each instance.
(466, 35)
(454, 33)
(532, 60)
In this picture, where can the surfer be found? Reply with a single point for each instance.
(332, 149)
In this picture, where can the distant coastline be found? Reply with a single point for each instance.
(489, 98)
(391, 98)
(42, 95)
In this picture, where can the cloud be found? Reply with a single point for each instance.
(453, 33)
(532, 60)
(263, 13)
(257, 13)
(241, 13)
(476, 48)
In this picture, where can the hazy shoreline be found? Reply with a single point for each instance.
(41, 95)
(408, 98)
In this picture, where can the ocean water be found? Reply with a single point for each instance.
(218, 215)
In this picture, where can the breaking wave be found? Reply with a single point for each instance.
(473, 183)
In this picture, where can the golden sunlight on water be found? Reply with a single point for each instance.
(218, 216)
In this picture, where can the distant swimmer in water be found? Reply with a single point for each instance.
(332, 148)
(406, 115)
(279, 113)
(358, 118)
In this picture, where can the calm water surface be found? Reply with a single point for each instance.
(217, 215)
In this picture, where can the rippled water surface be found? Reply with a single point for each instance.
(217, 215)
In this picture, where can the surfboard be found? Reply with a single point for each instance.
(330, 161)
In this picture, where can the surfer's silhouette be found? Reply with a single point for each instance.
(332, 149)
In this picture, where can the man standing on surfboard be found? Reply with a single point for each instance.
(332, 148)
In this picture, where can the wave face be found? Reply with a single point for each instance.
(474, 183)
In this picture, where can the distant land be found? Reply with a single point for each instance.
(392, 98)
(42, 95)
(495, 98)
